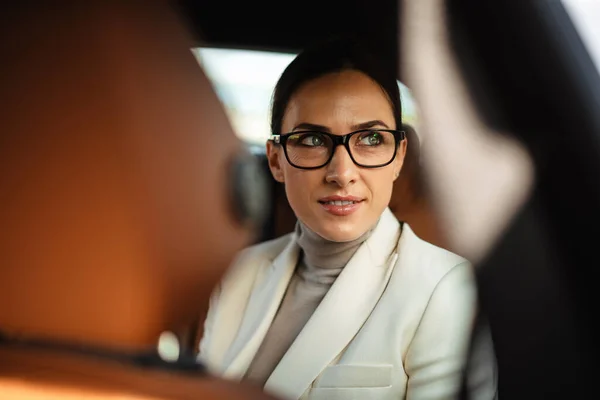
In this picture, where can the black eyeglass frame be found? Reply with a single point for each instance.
(338, 140)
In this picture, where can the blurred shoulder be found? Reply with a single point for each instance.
(430, 262)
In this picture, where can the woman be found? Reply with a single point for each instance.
(352, 305)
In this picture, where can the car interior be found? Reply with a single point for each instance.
(503, 168)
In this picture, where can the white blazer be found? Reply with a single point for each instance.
(395, 324)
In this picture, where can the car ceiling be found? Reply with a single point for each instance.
(287, 26)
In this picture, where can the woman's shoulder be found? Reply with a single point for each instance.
(427, 261)
(425, 249)
(269, 249)
(257, 255)
(427, 277)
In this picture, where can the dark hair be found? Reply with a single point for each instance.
(334, 55)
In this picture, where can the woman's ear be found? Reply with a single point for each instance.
(274, 157)
(400, 155)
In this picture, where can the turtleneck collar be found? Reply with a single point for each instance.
(322, 253)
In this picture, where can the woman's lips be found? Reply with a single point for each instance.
(341, 206)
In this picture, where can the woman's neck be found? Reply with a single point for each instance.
(323, 253)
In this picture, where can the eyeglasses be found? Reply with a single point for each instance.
(368, 148)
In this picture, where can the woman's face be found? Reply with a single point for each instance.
(338, 103)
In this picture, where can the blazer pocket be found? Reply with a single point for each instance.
(355, 376)
(351, 394)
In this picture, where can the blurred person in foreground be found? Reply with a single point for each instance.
(115, 206)
(352, 304)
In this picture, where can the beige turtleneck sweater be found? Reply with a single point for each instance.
(320, 263)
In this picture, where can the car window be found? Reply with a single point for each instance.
(585, 15)
(244, 81)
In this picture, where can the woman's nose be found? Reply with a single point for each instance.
(341, 169)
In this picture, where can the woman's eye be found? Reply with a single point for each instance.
(312, 140)
(371, 139)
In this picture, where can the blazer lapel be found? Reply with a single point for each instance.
(341, 314)
(259, 314)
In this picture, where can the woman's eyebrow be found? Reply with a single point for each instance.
(311, 127)
(369, 124)
(321, 128)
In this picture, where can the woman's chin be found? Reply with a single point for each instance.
(341, 234)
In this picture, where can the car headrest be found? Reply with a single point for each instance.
(408, 187)
(115, 157)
